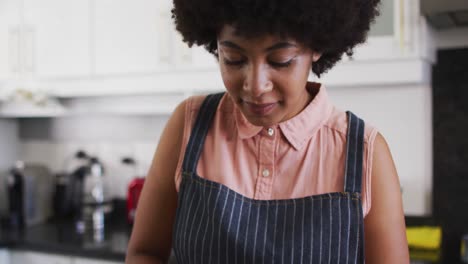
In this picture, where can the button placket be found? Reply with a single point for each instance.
(270, 131)
(266, 163)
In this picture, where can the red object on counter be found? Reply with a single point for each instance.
(134, 190)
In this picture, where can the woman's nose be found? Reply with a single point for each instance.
(257, 81)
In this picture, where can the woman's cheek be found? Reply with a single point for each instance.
(232, 79)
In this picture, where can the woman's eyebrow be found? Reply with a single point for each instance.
(279, 45)
(230, 44)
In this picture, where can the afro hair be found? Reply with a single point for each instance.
(331, 27)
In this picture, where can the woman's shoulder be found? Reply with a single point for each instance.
(194, 103)
(338, 123)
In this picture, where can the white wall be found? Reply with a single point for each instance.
(54, 141)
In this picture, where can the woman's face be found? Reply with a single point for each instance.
(266, 76)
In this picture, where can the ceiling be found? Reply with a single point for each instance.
(446, 14)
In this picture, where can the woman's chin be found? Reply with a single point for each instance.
(262, 121)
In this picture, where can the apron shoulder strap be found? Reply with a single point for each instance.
(199, 131)
(354, 153)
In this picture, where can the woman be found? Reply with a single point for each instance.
(271, 171)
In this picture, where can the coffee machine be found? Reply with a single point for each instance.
(69, 186)
(83, 195)
(95, 203)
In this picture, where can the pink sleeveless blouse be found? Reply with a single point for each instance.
(302, 156)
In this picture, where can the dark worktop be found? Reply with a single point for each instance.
(60, 236)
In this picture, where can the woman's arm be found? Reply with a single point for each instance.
(151, 237)
(384, 226)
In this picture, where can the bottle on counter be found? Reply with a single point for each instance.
(15, 182)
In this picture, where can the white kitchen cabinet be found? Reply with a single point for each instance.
(93, 261)
(26, 257)
(195, 58)
(56, 39)
(47, 38)
(9, 39)
(385, 23)
(131, 36)
(400, 32)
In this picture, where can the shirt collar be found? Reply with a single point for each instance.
(299, 129)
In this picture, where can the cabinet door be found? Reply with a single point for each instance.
(56, 39)
(94, 261)
(202, 59)
(384, 23)
(9, 38)
(131, 36)
(194, 58)
(24, 257)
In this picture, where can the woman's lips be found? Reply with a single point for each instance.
(260, 109)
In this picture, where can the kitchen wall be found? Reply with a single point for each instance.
(402, 114)
(9, 152)
(52, 141)
(8, 142)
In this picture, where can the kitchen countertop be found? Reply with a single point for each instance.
(60, 237)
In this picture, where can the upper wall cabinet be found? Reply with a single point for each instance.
(138, 37)
(400, 50)
(9, 39)
(56, 39)
(385, 23)
(399, 32)
(132, 47)
(131, 36)
(42, 39)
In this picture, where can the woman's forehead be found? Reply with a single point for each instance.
(230, 33)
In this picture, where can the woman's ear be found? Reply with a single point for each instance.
(316, 56)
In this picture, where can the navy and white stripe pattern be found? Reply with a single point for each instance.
(214, 224)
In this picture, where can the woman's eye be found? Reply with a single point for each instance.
(280, 64)
(233, 62)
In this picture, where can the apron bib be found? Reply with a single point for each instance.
(215, 224)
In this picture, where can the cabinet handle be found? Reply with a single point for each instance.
(405, 24)
(29, 45)
(14, 48)
(164, 42)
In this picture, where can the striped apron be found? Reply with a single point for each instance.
(214, 224)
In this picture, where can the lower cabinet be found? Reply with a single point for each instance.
(26, 257)
(4, 256)
(93, 261)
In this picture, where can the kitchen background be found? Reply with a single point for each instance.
(103, 76)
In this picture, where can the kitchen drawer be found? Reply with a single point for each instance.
(24, 257)
(94, 261)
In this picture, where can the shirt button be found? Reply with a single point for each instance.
(266, 173)
(271, 131)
